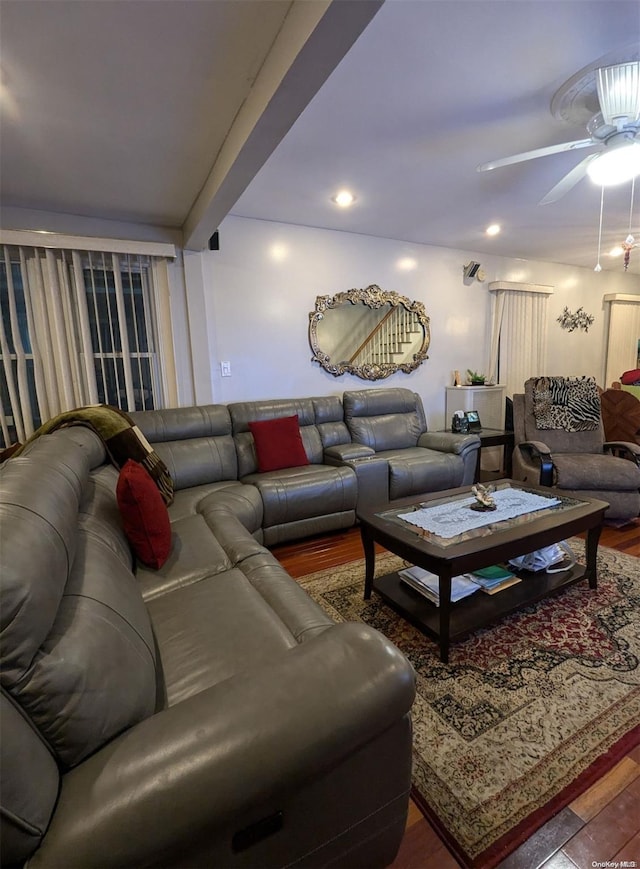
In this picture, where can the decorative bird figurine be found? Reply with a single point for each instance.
(484, 497)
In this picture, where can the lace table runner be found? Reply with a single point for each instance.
(456, 517)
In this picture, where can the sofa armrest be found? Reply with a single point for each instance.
(624, 449)
(340, 453)
(448, 442)
(540, 453)
(466, 446)
(200, 765)
(372, 471)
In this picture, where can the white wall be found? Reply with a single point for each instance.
(260, 287)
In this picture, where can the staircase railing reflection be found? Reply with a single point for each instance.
(390, 338)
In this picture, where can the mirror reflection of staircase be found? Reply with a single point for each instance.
(392, 339)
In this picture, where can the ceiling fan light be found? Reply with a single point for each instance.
(615, 166)
(619, 92)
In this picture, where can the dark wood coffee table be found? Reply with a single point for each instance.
(473, 550)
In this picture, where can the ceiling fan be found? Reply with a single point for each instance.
(609, 97)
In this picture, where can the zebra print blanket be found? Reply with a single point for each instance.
(568, 403)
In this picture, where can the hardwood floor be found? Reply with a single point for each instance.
(600, 828)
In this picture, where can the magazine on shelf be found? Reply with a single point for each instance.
(428, 584)
(489, 580)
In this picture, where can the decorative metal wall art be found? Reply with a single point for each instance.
(371, 333)
(579, 320)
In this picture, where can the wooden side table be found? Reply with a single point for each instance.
(494, 437)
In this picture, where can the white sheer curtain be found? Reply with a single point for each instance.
(79, 327)
(518, 346)
(623, 338)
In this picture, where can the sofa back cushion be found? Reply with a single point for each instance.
(78, 655)
(30, 784)
(195, 443)
(244, 412)
(384, 419)
(329, 415)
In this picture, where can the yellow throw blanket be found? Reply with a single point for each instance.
(121, 437)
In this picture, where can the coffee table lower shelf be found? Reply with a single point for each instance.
(479, 609)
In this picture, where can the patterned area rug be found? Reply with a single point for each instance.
(527, 714)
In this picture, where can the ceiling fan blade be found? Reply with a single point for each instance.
(537, 152)
(569, 181)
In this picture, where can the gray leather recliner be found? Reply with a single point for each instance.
(392, 423)
(298, 501)
(576, 463)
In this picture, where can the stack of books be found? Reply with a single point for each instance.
(489, 579)
(428, 584)
(493, 579)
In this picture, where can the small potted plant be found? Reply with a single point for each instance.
(475, 379)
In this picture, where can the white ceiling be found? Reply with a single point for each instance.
(154, 111)
(162, 111)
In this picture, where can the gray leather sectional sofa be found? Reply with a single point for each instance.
(207, 713)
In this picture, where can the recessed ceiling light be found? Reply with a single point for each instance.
(278, 252)
(344, 198)
(493, 229)
(407, 264)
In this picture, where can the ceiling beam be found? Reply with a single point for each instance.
(314, 38)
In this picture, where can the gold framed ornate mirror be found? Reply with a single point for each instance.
(371, 333)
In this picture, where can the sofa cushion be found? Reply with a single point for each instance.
(242, 501)
(244, 412)
(384, 419)
(95, 675)
(600, 472)
(412, 471)
(195, 443)
(30, 784)
(144, 515)
(78, 651)
(278, 443)
(195, 554)
(291, 494)
(208, 631)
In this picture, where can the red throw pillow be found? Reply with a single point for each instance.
(629, 378)
(278, 443)
(144, 515)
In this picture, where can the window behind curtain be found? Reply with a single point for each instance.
(119, 335)
(77, 328)
(15, 349)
